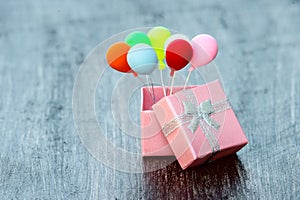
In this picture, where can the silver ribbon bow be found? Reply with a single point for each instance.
(203, 111)
(195, 115)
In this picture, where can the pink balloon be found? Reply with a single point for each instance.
(205, 49)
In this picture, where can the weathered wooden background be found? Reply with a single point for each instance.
(42, 44)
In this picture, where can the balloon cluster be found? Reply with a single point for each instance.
(141, 53)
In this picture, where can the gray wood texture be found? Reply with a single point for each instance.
(42, 44)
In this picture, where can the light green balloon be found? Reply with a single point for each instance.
(137, 37)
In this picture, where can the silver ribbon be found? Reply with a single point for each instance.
(197, 115)
(189, 115)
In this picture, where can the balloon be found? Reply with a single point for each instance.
(158, 36)
(137, 37)
(175, 37)
(205, 49)
(142, 59)
(178, 54)
(116, 57)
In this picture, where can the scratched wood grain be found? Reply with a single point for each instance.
(42, 44)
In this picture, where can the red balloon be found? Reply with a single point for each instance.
(178, 54)
(116, 57)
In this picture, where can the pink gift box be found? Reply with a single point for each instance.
(199, 124)
(153, 141)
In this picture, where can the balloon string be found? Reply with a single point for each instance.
(169, 85)
(187, 79)
(154, 99)
(162, 83)
(149, 85)
(144, 84)
(140, 80)
(173, 78)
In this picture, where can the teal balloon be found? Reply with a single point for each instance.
(137, 37)
(142, 59)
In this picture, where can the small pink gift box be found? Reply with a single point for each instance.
(199, 124)
(153, 141)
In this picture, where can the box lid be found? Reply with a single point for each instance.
(192, 133)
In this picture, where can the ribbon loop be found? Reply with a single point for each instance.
(206, 107)
(190, 109)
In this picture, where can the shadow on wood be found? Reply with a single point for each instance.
(223, 178)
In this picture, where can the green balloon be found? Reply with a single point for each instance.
(137, 37)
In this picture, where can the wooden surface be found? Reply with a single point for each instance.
(43, 43)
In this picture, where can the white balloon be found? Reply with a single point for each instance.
(175, 37)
